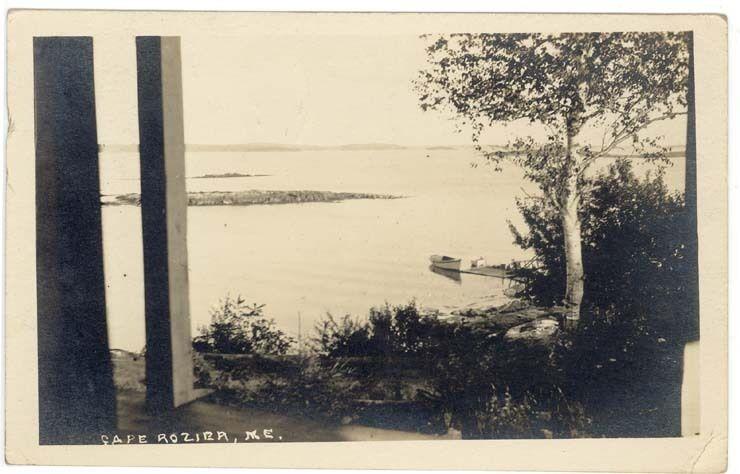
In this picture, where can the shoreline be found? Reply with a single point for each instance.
(251, 197)
(229, 175)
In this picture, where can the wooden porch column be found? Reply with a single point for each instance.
(690, 401)
(169, 363)
(76, 396)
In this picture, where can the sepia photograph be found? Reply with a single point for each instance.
(306, 234)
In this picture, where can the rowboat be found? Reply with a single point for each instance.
(445, 262)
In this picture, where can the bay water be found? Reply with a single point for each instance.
(304, 260)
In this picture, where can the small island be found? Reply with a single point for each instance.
(252, 197)
(230, 175)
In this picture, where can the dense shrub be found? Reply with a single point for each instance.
(623, 360)
(388, 330)
(342, 338)
(528, 416)
(292, 385)
(490, 387)
(239, 328)
(316, 390)
(625, 371)
(634, 249)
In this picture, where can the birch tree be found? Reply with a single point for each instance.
(569, 88)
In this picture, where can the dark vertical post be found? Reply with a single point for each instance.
(692, 239)
(76, 395)
(690, 415)
(169, 365)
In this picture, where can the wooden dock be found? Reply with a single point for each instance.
(496, 272)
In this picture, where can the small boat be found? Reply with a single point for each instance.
(445, 262)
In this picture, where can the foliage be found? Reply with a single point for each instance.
(294, 385)
(473, 377)
(322, 390)
(617, 83)
(342, 338)
(460, 373)
(239, 328)
(493, 388)
(607, 341)
(129, 372)
(388, 330)
(583, 95)
(505, 417)
(203, 372)
(625, 370)
(637, 317)
(634, 234)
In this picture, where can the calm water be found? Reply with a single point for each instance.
(310, 259)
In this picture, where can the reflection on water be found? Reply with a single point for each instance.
(451, 274)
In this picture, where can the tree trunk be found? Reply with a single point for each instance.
(573, 255)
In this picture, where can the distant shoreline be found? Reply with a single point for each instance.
(675, 151)
(230, 175)
(251, 198)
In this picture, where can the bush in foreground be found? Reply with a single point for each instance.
(240, 328)
(387, 331)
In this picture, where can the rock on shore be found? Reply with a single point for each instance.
(514, 321)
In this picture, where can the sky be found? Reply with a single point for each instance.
(305, 89)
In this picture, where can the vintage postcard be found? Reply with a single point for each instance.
(461, 241)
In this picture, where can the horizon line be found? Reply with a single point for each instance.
(291, 147)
